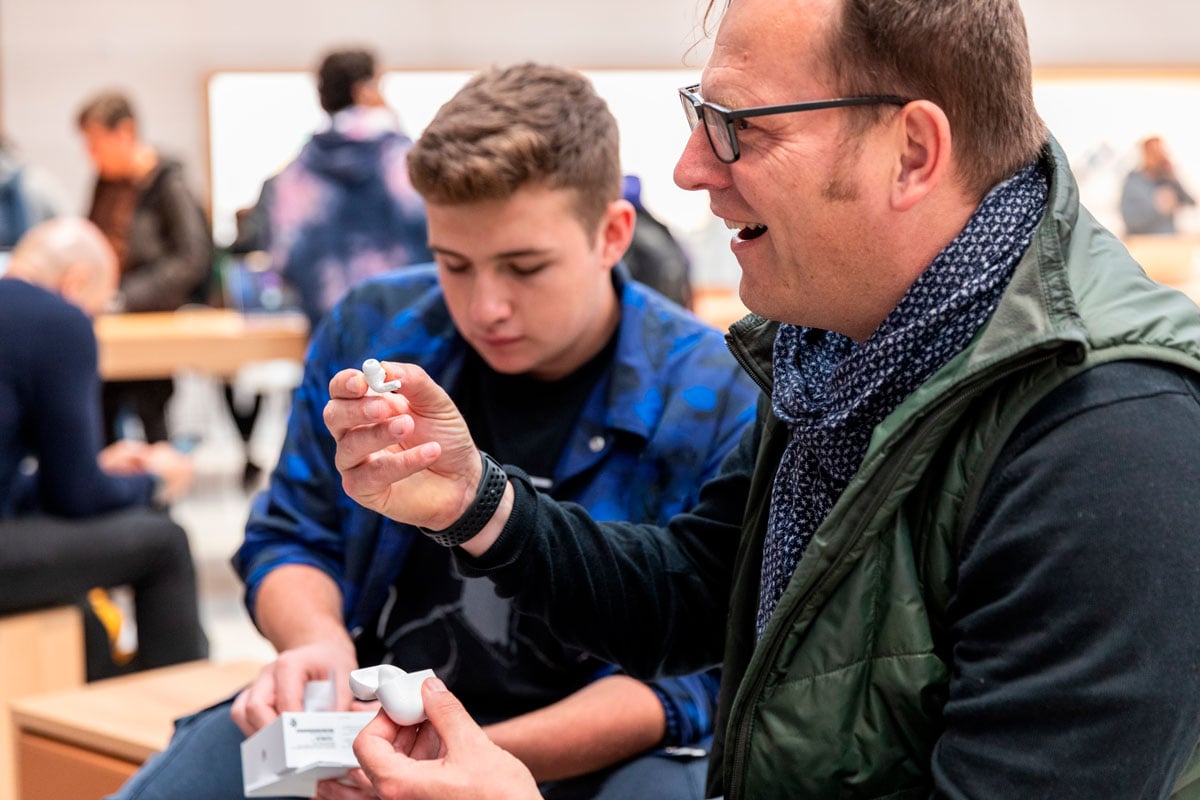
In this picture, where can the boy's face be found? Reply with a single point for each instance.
(528, 288)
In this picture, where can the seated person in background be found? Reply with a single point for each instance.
(1152, 193)
(161, 236)
(73, 516)
(607, 395)
(344, 210)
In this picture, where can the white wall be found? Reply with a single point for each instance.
(53, 53)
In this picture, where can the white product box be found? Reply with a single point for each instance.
(289, 756)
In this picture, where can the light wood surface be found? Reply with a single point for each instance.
(52, 770)
(212, 340)
(40, 651)
(131, 717)
(1173, 260)
(719, 306)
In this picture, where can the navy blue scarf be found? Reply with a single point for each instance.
(832, 392)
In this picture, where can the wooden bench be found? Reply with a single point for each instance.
(40, 651)
(84, 743)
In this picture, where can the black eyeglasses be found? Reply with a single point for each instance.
(718, 120)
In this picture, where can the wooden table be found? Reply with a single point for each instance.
(84, 743)
(1173, 260)
(212, 340)
(719, 306)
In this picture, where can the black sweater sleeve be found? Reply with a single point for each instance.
(64, 410)
(653, 600)
(1075, 648)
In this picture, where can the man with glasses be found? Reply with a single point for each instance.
(957, 555)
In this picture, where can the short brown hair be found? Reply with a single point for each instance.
(108, 109)
(338, 74)
(516, 126)
(970, 57)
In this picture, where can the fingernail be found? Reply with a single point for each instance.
(435, 684)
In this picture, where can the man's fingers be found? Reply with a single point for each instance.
(347, 385)
(343, 415)
(415, 384)
(447, 715)
(375, 749)
(373, 477)
(355, 445)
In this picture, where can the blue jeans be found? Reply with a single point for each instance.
(204, 762)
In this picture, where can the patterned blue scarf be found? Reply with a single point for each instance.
(832, 392)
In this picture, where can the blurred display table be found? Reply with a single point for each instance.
(1173, 260)
(212, 340)
(719, 306)
(83, 743)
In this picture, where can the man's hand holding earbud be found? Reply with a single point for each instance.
(408, 454)
(449, 757)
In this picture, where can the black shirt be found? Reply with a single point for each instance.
(499, 662)
(521, 420)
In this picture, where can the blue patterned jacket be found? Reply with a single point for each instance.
(674, 403)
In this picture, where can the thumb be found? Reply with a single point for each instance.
(458, 731)
(373, 747)
(422, 391)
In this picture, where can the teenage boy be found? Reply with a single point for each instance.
(603, 392)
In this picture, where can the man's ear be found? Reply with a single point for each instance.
(924, 149)
(616, 231)
(73, 284)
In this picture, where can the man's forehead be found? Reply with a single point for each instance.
(763, 43)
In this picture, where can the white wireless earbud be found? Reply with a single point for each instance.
(376, 377)
(398, 691)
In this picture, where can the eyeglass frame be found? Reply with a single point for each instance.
(694, 106)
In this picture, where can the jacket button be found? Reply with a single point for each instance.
(596, 444)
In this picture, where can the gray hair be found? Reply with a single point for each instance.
(47, 251)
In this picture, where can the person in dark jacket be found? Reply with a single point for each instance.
(160, 234)
(74, 516)
(344, 210)
(956, 556)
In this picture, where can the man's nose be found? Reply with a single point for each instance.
(698, 166)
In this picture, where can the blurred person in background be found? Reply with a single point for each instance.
(26, 197)
(160, 233)
(344, 210)
(655, 257)
(1152, 193)
(74, 516)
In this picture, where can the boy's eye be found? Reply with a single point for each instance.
(455, 266)
(528, 269)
